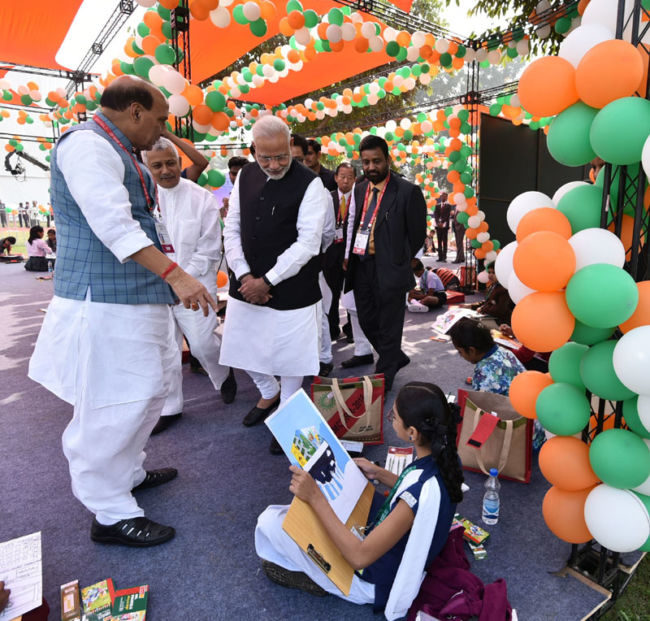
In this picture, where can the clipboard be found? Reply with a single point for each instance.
(304, 527)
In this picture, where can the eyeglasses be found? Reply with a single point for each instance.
(267, 159)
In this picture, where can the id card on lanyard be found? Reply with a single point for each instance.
(360, 246)
(338, 235)
(161, 229)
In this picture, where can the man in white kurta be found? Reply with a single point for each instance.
(190, 214)
(109, 325)
(272, 238)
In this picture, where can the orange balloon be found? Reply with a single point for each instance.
(193, 94)
(285, 27)
(564, 514)
(268, 10)
(199, 10)
(609, 71)
(149, 44)
(202, 114)
(543, 219)
(222, 279)
(542, 321)
(296, 20)
(544, 261)
(524, 390)
(547, 86)
(627, 229)
(564, 462)
(220, 121)
(168, 4)
(641, 316)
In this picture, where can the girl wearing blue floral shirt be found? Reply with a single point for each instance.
(495, 367)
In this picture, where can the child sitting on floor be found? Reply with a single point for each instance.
(430, 292)
(422, 500)
(495, 367)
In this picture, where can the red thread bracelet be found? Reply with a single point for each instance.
(170, 268)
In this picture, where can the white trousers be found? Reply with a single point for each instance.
(205, 346)
(273, 544)
(126, 350)
(325, 354)
(269, 386)
(362, 345)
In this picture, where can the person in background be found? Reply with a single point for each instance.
(34, 214)
(333, 265)
(312, 161)
(198, 161)
(3, 215)
(441, 215)
(459, 235)
(495, 367)
(37, 250)
(497, 303)
(429, 244)
(430, 292)
(222, 194)
(51, 240)
(23, 215)
(5, 245)
(422, 500)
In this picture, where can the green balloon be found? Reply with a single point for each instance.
(446, 59)
(143, 29)
(215, 101)
(564, 364)
(568, 136)
(259, 27)
(203, 179)
(620, 458)
(392, 48)
(167, 30)
(632, 419)
(562, 25)
(311, 18)
(335, 16)
(163, 12)
(586, 335)
(598, 375)
(582, 207)
(293, 5)
(495, 109)
(496, 243)
(216, 178)
(141, 66)
(462, 217)
(26, 100)
(165, 54)
(563, 409)
(602, 295)
(126, 68)
(278, 64)
(401, 55)
(620, 130)
(238, 14)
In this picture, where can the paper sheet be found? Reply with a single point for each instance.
(21, 569)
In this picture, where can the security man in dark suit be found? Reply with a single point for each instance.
(389, 229)
(312, 161)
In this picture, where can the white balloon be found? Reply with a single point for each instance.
(146, 3)
(178, 105)
(645, 157)
(617, 519)
(543, 32)
(494, 57)
(441, 45)
(252, 11)
(376, 44)
(524, 203)
(517, 289)
(643, 408)
(157, 74)
(425, 78)
(483, 237)
(461, 206)
(605, 13)
(503, 266)
(389, 34)
(483, 277)
(368, 30)
(522, 47)
(220, 17)
(491, 256)
(412, 54)
(563, 189)
(418, 38)
(391, 125)
(405, 124)
(632, 360)
(348, 32)
(174, 82)
(473, 222)
(333, 33)
(481, 54)
(581, 40)
(597, 246)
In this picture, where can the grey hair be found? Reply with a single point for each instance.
(270, 126)
(162, 144)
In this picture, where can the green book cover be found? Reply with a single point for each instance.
(130, 604)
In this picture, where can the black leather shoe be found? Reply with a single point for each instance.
(257, 415)
(164, 422)
(275, 448)
(229, 387)
(403, 362)
(155, 478)
(138, 532)
(325, 369)
(292, 579)
(357, 361)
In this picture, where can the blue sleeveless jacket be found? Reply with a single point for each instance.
(82, 260)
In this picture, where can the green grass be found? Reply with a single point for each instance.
(634, 604)
(21, 239)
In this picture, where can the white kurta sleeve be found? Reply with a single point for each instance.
(208, 245)
(232, 235)
(329, 226)
(311, 217)
(94, 173)
(352, 208)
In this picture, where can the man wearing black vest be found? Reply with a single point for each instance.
(272, 240)
(442, 214)
(389, 228)
(312, 161)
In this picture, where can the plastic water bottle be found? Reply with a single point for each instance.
(491, 498)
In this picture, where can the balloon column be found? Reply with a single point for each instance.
(572, 293)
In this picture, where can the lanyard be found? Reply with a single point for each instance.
(366, 204)
(385, 508)
(111, 133)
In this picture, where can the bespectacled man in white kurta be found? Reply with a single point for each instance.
(272, 239)
(190, 215)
